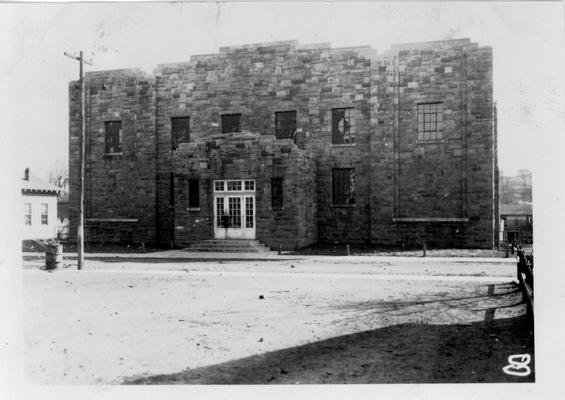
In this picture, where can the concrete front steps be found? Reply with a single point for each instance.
(229, 246)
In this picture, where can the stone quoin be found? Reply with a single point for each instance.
(292, 145)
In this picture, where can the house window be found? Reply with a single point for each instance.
(430, 121)
(180, 131)
(27, 213)
(230, 123)
(343, 186)
(277, 193)
(44, 214)
(113, 136)
(342, 133)
(285, 124)
(193, 193)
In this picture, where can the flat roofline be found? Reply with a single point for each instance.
(294, 45)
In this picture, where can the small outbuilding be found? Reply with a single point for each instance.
(516, 223)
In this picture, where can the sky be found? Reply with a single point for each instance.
(527, 41)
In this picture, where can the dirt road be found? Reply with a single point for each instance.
(272, 322)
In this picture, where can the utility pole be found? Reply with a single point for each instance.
(80, 230)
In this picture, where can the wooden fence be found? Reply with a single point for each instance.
(525, 271)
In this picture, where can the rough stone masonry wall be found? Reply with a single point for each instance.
(398, 179)
(440, 192)
(119, 188)
(259, 80)
(235, 156)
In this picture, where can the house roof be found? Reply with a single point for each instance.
(516, 209)
(36, 185)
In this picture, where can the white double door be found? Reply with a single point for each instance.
(234, 216)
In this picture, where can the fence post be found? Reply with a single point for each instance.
(347, 250)
(424, 249)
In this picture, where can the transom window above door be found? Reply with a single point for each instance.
(234, 186)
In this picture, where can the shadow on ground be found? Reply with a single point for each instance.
(406, 353)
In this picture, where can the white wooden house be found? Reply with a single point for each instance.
(39, 208)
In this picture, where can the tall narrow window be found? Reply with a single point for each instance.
(113, 136)
(285, 124)
(342, 132)
(343, 186)
(276, 193)
(44, 214)
(27, 213)
(231, 123)
(193, 193)
(430, 121)
(180, 131)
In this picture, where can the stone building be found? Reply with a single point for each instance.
(293, 145)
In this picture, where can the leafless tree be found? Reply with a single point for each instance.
(60, 178)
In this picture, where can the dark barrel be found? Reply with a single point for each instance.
(53, 256)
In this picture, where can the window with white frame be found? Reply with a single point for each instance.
(44, 214)
(234, 186)
(27, 213)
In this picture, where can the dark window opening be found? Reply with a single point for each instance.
(180, 131)
(277, 193)
(193, 193)
(231, 123)
(113, 136)
(341, 126)
(343, 186)
(285, 124)
(430, 121)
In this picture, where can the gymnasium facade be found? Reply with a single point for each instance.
(292, 145)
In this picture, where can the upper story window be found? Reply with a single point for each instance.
(27, 213)
(44, 214)
(342, 132)
(180, 131)
(430, 121)
(343, 186)
(113, 136)
(231, 123)
(285, 124)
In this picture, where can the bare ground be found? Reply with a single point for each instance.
(405, 353)
(247, 322)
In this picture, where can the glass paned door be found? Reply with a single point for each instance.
(234, 213)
